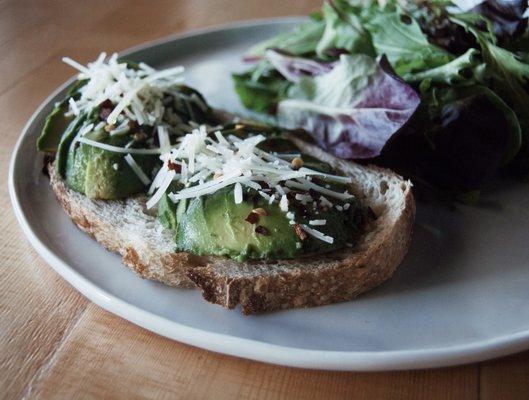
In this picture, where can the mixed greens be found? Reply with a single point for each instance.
(437, 90)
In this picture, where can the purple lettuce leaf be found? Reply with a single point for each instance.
(353, 109)
(507, 16)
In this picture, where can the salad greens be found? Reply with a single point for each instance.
(353, 109)
(436, 90)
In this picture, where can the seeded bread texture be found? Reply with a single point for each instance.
(147, 247)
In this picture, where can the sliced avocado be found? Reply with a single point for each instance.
(56, 122)
(66, 140)
(102, 174)
(54, 126)
(216, 225)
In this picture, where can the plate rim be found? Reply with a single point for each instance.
(232, 345)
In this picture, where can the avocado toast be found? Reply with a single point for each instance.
(249, 214)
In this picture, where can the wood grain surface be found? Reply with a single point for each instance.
(56, 344)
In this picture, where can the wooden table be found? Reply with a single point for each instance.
(56, 344)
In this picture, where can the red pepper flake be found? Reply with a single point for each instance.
(302, 235)
(174, 166)
(104, 113)
(105, 108)
(261, 230)
(291, 195)
(264, 185)
(315, 195)
(252, 218)
(106, 104)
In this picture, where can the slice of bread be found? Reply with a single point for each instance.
(147, 248)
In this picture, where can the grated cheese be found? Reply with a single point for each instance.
(163, 138)
(164, 185)
(237, 192)
(116, 149)
(73, 106)
(317, 234)
(137, 170)
(137, 94)
(316, 222)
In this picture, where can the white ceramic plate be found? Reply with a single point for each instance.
(461, 294)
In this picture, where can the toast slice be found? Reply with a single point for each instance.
(147, 248)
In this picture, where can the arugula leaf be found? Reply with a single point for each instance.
(343, 30)
(400, 38)
(514, 132)
(432, 17)
(353, 110)
(514, 138)
(473, 139)
(449, 73)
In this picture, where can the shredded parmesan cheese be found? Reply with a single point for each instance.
(318, 222)
(137, 170)
(237, 192)
(116, 149)
(317, 234)
(164, 185)
(136, 94)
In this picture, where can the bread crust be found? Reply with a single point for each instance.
(258, 286)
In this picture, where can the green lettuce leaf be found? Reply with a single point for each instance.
(301, 40)
(509, 73)
(261, 88)
(343, 30)
(400, 38)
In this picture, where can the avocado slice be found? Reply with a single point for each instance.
(56, 122)
(54, 126)
(215, 225)
(102, 174)
(64, 144)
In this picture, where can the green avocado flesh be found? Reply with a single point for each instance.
(56, 122)
(215, 225)
(101, 174)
